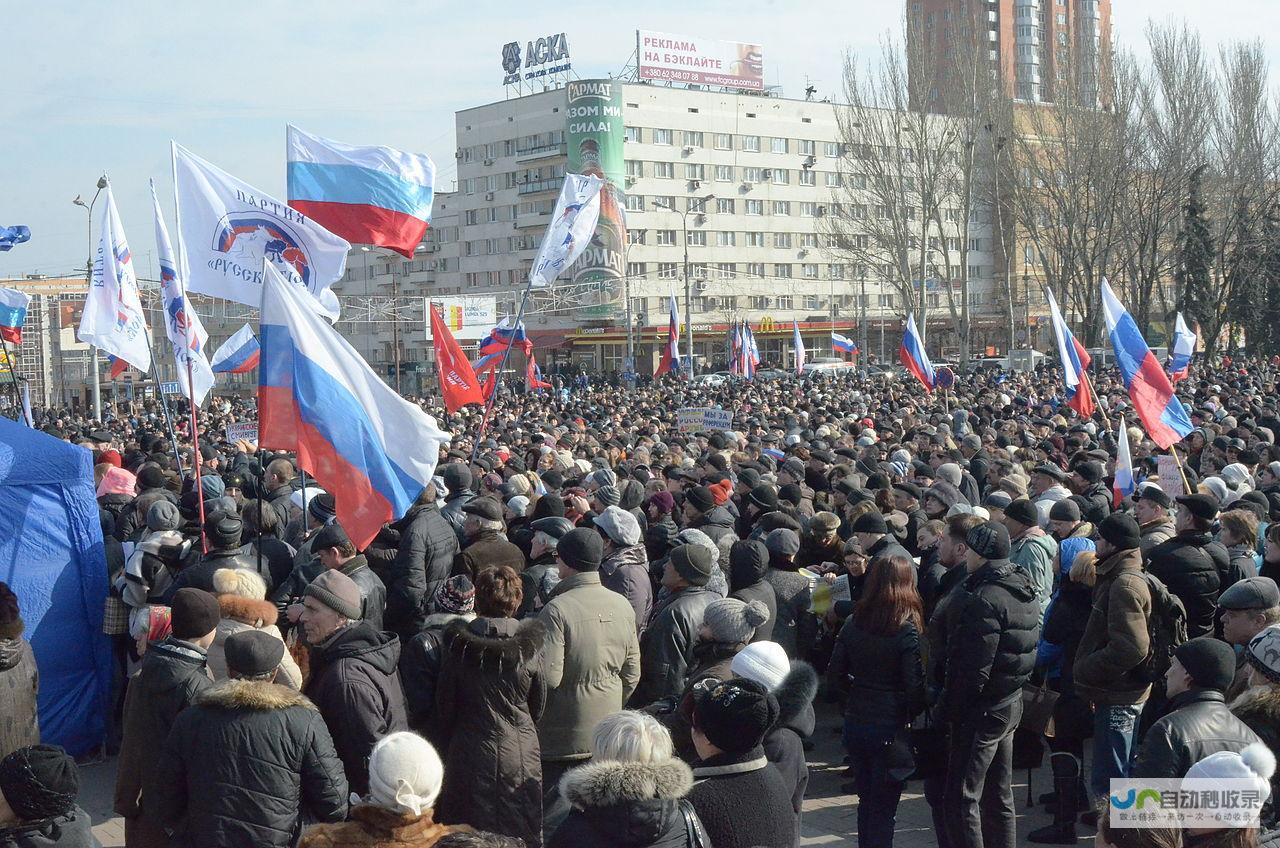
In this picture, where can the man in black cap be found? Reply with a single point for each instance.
(666, 644)
(457, 480)
(1151, 506)
(173, 675)
(336, 552)
(990, 653)
(1086, 481)
(1107, 669)
(741, 801)
(38, 789)
(543, 572)
(702, 513)
(250, 760)
(487, 545)
(1191, 563)
(1196, 722)
(1246, 609)
(223, 530)
(872, 533)
(591, 655)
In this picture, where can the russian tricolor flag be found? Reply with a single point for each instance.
(913, 356)
(366, 195)
(670, 360)
(13, 312)
(372, 448)
(844, 344)
(237, 354)
(1184, 347)
(1075, 359)
(1158, 407)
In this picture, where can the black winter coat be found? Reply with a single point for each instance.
(1191, 565)
(991, 649)
(716, 522)
(422, 563)
(538, 581)
(666, 645)
(1196, 724)
(748, 565)
(784, 745)
(883, 676)
(421, 659)
(629, 805)
(743, 802)
(355, 684)
(490, 696)
(373, 595)
(658, 537)
(940, 623)
(245, 765)
(452, 512)
(200, 575)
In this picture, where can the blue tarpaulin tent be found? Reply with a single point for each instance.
(51, 555)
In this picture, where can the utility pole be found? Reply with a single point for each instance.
(688, 284)
(88, 280)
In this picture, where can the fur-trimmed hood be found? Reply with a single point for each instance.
(795, 696)
(1259, 706)
(256, 614)
(252, 695)
(608, 784)
(503, 640)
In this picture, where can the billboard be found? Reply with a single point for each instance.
(699, 61)
(468, 318)
(594, 132)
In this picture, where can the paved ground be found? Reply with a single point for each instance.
(830, 817)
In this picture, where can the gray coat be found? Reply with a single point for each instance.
(19, 683)
(626, 571)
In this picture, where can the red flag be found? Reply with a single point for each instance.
(118, 366)
(533, 376)
(458, 381)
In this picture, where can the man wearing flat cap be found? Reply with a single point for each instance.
(1151, 506)
(1246, 609)
(1047, 488)
(1192, 562)
(989, 657)
(487, 545)
(250, 760)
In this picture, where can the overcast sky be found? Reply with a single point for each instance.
(102, 87)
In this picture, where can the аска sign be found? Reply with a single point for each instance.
(542, 57)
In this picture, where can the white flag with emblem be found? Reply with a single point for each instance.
(181, 323)
(227, 228)
(113, 321)
(572, 225)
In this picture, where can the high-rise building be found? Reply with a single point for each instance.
(1031, 46)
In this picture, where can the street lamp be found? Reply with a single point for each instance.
(88, 279)
(688, 285)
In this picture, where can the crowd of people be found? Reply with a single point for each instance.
(595, 628)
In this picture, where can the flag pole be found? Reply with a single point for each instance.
(164, 406)
(195, 443)
(1088, 384)
(497, 375)
(13, 375)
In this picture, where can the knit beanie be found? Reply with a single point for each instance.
(405, 774)
(989, 541)
(692, 562)
(950, 472)
(783, 542)
(721, 492)
(1024, 512)
(662, 501)
(581, 549)
(163, 515)
(1263, 652)
(456, 595)
(519, 505)
(338, 592)
(1065, 510)
(763, 662)
(195, 613)
(608, 495)
(323, 508)
(735, 715)
(1210, 662)
(731, 620)
(1256, 763)
(1120, 530)
(701, 499)
(39, 782)
(151, 477)
(870, 522)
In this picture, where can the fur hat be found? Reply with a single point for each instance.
(240, 582)
(736, 715)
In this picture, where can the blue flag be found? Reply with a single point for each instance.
(9, 236)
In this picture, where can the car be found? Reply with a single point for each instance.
(713, 378)
(772, 374)
(883, 372)
(829, 366)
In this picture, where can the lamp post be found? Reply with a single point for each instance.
(629, 368)
(688, 284)
(88, 280)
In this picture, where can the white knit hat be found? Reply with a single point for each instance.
(1255, 763)
(405, 774)
(764, 662)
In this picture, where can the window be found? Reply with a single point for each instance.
(953, 243)
(723, 141)
(664, 170)
(782, 241)
(667, 271)
(835, 272)
(975, 245)
(808, 177)
(780, 176)
(807, 240)
(886, 301)
(808, 209)
(473, 217)
(755, 239)
(635, 168)
(697, 238)
(755, 269)
(726, 238)
(755, 207)
(976, 298)
(951, 213)
(810, 301)
(858, 211)
(636, 269)
(635, 202)
(693, 138)
(665, 201)
(782, 207)
(975, 271)
(778, 145)
(695, 171)
(724, 173)
(784, 301)
(697, 270)
(751, 143)
(1061, 19)
(662, 136)
(752, 175)
(632, 134)
(724, 270)
(696, 204)
(783, 271)
(724, 205)
(855, 180)
(809, 271)
(882, 212)
(831, 149)
(806, 147)
(666, 238)
(758, 301)
(1028, 254)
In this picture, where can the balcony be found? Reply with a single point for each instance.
(536, 186)
(529, 154)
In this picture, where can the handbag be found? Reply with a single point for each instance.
(695, 836)
(928, 746)
(1037, 708)
(115, 616)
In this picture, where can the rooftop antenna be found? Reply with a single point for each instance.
(809, 89)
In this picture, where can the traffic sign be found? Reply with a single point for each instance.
(170, 388)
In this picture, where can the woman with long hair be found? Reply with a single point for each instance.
(877, 662)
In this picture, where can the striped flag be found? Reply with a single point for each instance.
(1075, 359)
(13, 312)
(1184, 347)
(237, 354)
(843, 344)
(670, 360)
(913, 356)
(113, 320)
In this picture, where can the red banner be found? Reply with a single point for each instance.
(458, 383)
